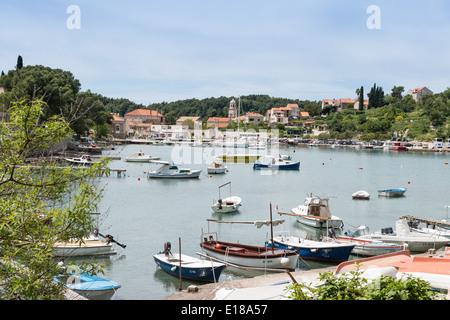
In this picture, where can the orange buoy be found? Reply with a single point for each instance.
(218, 246)
(445, 162)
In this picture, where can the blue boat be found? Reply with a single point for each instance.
(396, 192)
(191, 268)
(270, 162)
(314, 250)
(90, 286)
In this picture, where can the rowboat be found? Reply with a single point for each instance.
(260, 257)
(192, 268)
(396, 192)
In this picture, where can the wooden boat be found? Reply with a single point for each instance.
(270, 162)
(435, 270)
(361, 195)
(216, 167)
(314, 250)
(141, 157)
(192, 268)
(89, 286)
(396, 192)
(315, 212)
(228, 204)
(84, 160)
(171, 171)
(247, 255)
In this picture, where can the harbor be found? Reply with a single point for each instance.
(166, 210)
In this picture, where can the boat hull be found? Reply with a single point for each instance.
(391, 192)
(315, 250)
(188, 175)
(88, 248)
(415, 244)
(92, 287)
(198, 270)
(251, 256)
(371, 248)
(228, 205)
(319, 223)
(290, 166)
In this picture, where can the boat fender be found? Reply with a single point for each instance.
(218, 246)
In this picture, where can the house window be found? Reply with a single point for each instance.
(117, 128)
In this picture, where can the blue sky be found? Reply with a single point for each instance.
(152, 51)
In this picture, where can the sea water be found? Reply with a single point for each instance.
(146, 213)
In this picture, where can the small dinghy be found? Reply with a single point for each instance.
(191, 268)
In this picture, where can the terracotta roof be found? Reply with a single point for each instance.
(253, 114)
(144, 112)
(304, 114)
(212, 119)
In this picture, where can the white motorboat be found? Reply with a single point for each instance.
(91, 246)
(141, 157)
(416, 242)
(397, 192)
(172, 171)
(361, 194)
(216, 167)
(270, 162)
(84, 160)
(315, 212)
(228, 204)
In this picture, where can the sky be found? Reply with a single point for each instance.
(150, 51)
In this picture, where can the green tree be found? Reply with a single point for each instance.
(353, 286)
(376, 97)
(360, 93)
(397, 92)
(35, 210)
(19, 63)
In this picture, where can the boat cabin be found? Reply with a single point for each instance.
(318, 207)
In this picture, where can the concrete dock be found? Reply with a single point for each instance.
(207, 291)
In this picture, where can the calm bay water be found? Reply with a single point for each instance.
(145, 213)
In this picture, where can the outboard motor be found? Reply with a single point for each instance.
(220, 203)
(167, 247)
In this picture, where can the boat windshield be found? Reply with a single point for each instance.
(360, 231)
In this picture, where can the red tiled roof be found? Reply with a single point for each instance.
(144, 112)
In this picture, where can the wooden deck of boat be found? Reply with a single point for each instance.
(432, 222)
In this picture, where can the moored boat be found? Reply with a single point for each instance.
(141, 157)
(216, 167)
(314, 250)
(192, 268)
(270, 162)
(395, 192)
(84, 160)
(228, 204)
(172, 171)
(90, 286)
(361, 195)
(260, 257)
(402, 235)
(315, 212)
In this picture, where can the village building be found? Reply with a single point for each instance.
(252, 117)
(219, 123)
(196, 120)
(144, 116)
(118, 127)
(418, 93)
